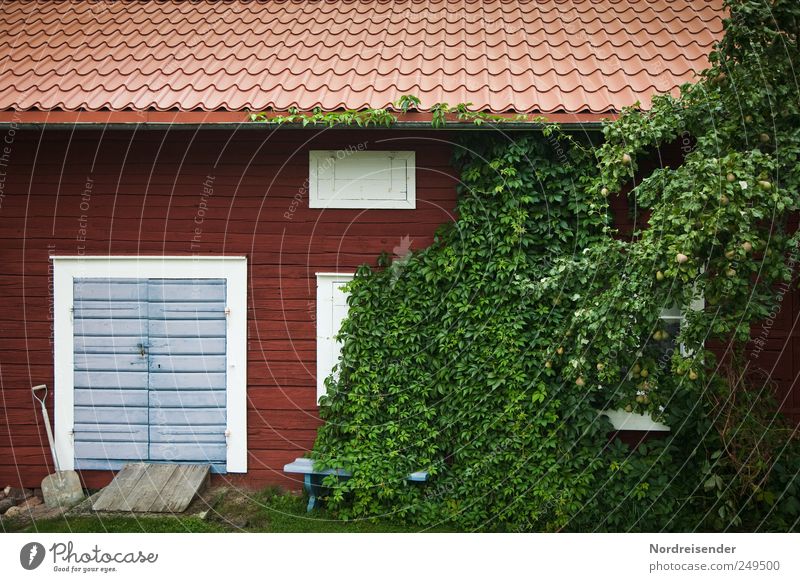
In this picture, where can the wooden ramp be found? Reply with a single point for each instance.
(153, 487)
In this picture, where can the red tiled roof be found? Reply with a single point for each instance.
(537, 56)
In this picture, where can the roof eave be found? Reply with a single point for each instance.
(241, 120)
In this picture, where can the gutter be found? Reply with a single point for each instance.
(248, 126)
(237, 120)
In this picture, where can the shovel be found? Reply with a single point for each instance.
(62, 488)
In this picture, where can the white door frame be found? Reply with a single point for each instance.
(232, 269)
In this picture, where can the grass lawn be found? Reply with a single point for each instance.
(229, 510)
(117, 524)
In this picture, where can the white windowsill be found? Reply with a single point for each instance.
(622, 420)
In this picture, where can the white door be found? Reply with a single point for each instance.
(331, 310)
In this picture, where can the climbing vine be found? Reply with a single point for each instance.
(487, 358)
(382, 117)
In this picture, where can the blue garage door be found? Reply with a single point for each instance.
(150, 359)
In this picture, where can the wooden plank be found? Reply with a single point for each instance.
(106, 467)
(175, 346)
(185, 363)
(104, 290)
(151, 487)
(187, 310)
(110, 415)
(110, 397)
(189, 452)
(119, 380)
(126, 451)
(284, 439)
(108, 309)
(103, 464)
(187, 416)
(115, 344)
(110, 362)
(175, 328)
(109, 290)
(34, 455)
(282, 419)
(188, 380)
(115, 496)
(142, 496)
(188, 434)
(186, 482)
(110, 327)
(187, 290)
(110, 432)
(188, 398)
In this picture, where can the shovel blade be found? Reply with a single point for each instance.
(62, 489)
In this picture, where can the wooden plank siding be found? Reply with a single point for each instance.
(131, 193)
(150, 371)
(142, 192)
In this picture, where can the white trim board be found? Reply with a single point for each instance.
(232, 269)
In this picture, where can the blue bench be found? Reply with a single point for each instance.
(312, 480)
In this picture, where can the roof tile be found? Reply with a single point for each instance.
(501, 55)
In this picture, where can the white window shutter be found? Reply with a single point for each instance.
(355, 179)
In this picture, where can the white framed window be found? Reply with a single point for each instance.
(622, 420)
(133, 273)
(360, 179)
(672, 318)
(331, 310)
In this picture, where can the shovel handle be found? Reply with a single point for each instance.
(46, 417)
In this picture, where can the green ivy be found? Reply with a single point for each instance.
(382, 117)
(486, 358)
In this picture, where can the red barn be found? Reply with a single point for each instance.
(170, 269)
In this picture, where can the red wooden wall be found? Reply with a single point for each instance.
(148, 193)
(774, 354)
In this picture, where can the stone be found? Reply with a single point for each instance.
(30, 502)
(62, 489)
(24, 508)
(13, 511)
(5, 505)
(21, 516)
(18, 494)
(44, 512)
